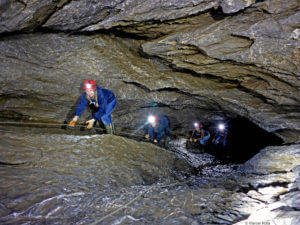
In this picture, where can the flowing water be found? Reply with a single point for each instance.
(52, 176)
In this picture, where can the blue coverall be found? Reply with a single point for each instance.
(197, 135)
(107, 102)
(162, 128)
(221, 135)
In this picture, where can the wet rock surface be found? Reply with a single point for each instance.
(280, 195)
(191, 60)
(82, 179)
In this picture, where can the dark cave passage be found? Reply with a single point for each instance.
(245, 139)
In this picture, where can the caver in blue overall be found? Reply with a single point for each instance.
(107, 102)
(220, 138)
(161, 130)
(197, 134)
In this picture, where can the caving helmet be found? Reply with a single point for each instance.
(89, 84)
(197, 124)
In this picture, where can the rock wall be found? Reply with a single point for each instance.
(191, 59)
(272, 178)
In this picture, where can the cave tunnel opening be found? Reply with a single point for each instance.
(245, 139)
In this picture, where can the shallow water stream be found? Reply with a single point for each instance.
(50, 176)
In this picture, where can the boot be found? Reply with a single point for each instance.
(109, 129)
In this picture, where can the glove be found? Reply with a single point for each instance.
(73, 122)
(191, 139)
(90, 123)
(147, 136)
(195, 140)
(155, 141)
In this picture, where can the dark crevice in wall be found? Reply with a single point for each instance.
(138, 85)
(6, 35)
(122, 34)
(218, 14)
(23, 3)
(273, 184)
(245, 190)
(245, 139)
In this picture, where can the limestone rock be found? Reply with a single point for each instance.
(91, 16)
(42, 77)
(274, 159)
(244, 50)
(233, 6)
(44, 71)
(242, 65)
(26, 15)
(277, 6)
(194, 59)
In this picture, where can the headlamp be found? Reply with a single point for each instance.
(221, 126)
(196, 124)
(151, 119)
(88, 86)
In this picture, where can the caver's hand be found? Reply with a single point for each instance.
(73, 122)
(90, 123)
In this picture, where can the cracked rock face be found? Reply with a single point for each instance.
(189, 59)
(274, 183)
(243, 50)
(237, 57)
(19, 15)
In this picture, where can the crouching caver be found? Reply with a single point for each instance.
(199, 134)
(220, 138)
(158, 128)
(101, 103)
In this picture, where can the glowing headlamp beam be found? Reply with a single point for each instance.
(88, 86)
(151, 119)
(221, 126)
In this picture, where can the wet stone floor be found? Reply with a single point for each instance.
(51, 176)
